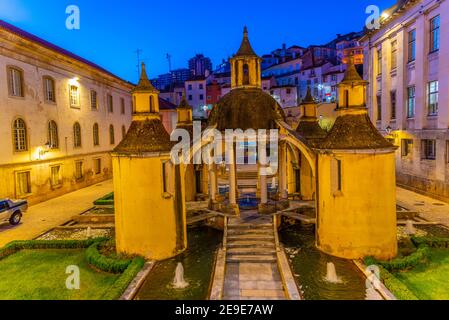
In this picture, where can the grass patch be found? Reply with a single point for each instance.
(429, 281)
(41, 275)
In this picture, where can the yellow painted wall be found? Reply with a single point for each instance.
(146, 225)
(361, 220)
(307, 180)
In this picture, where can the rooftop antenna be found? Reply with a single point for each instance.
(169, 61)
(138, 52)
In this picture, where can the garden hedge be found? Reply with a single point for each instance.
(399, 264)
(104, 263)
(122, 283)
(433, 242)
(396, 286)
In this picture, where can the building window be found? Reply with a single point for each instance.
(201, 97)
(406, 147)
(97, 166)
(393, 104)
(20, 135)
(411, 102)
(433, 98)
(122, 105)
(190, 97)
(123, 132)
(379, 107)
(53, 139)
(336, 173)
(201, 86)
(55, 176)
(289, 91)
(245, 74)
(96, 135)
(166, 174)
(334, 77)
(93, 100)
(74, 97)
(23, 183)
(49, 89)
(435, 34)
(15, 80)
(111, 134)
(394, 54)
(189, 87)
(379, 62)
(76, 135)
(412, 45)
(79, 172)
(428, 149)
(110, 103)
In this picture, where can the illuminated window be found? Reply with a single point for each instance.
(53, 139)
(15, 81)
(79, 170)
(93, 100)
(74, 96)
(76, 135)
(394, 54)
(23, 183)
(432, 98)
(412, 45)
(111, 134)
(96, 135)
(110, 101)
(55, 176)
(435, 34)
(49, 89)
(122, 105)
(20, 135)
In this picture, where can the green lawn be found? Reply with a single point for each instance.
(41, 275)
(429, 281)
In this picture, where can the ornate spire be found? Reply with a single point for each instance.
(351, 74)
(308, 98)
(245, 47)
(144, 84)
(184, 104)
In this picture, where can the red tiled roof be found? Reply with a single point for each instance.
(166, 105)
(28, 36)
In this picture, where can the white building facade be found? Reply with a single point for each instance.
(407, 65)
(60, 117)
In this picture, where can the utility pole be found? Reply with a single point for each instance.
(138, 52)
(169, 62)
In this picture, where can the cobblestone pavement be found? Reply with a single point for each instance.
(52, 213)
(428, 208)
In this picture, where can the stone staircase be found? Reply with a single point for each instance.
(251, 261)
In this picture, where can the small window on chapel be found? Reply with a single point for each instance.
(336, 176)
(166, 178)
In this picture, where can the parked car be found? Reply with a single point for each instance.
(12, 210)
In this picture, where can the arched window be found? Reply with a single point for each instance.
(53, 139)
(111, 134)
(245, 74)
(20, 135)
(96, 135)
(152, 104)
(49, 89)
(15, 82)
(346, 98)
(76, 135)
(123, 132)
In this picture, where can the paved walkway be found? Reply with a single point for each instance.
(251, 264)
(52, 213)
(428, 208)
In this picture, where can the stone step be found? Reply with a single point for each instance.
(250, 231)
(251, 244)
(249, 237)
(251, 251)
(250, 226)
(251, 258)
(246, 294)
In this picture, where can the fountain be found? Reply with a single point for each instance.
(331, 275)
(410, 228)
(178, 281)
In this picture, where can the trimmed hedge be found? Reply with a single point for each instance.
(396, 286)
(433, 242)
(122, 283)
(104, 263)
(16, 246)
(398, 264)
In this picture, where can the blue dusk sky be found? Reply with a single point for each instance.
(111, 31)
